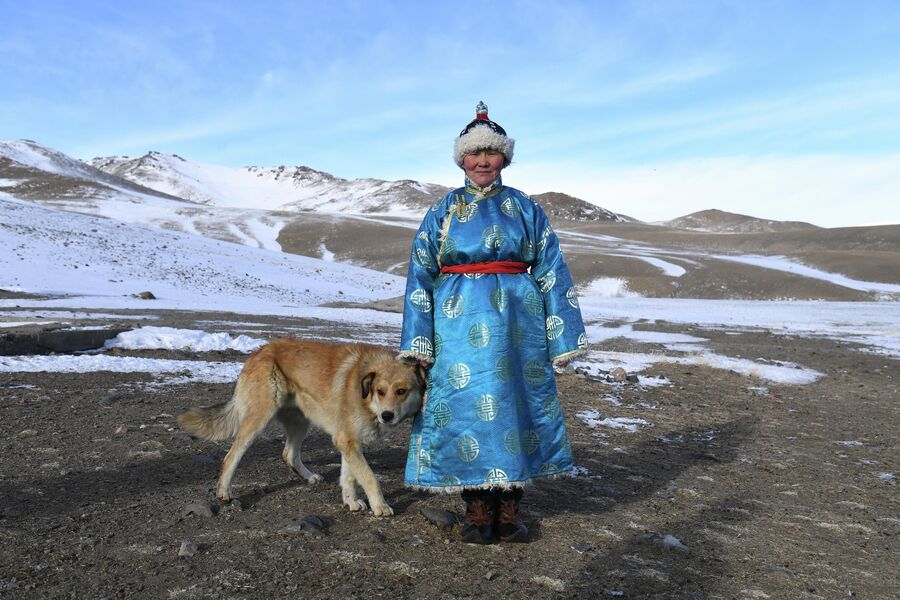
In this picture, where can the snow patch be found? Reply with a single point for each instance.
(607, 287)
(788, 373)
(781, 263)
(327, 254)
(873, 325)
(592, 419)
(596, 332)
(669, 269)
(191, 370)
(169, 338)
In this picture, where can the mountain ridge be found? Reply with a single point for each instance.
(607, 253)
(282, 188)
(295, 189)
(720, 221)
(37, 172)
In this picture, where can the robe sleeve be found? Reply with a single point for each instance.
(564, 327)
(417, 337)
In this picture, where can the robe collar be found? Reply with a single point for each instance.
(487, 191)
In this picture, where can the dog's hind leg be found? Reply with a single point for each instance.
(254, 421)
(296, 426)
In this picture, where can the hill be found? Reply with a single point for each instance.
(719, 221)
(562, 206)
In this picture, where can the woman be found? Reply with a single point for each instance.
(489, 306)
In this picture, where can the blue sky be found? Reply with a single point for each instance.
(783, 110)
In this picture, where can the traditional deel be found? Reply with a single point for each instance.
(492, 416)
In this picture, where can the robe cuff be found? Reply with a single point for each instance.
(569, 355)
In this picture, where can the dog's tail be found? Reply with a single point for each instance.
(222, 421)
(219, 422)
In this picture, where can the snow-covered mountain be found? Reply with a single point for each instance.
(35, 172)
(277, 188)
(563, 206)
(305, 189)
(296, 209)
(30, 171)
(608, 253)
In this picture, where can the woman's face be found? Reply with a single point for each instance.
(484, 166)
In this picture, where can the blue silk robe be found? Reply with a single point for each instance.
(492, 416)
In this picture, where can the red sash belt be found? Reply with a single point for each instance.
(495, 266)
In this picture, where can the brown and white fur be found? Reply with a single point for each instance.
(351, 391)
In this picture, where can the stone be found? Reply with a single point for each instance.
(200, 508)
(188, 548)
(666, 541)
(403, 569)
(557, 585)
(145, 454)
(110, 399)
(308, 525)
(442, 518)
(233, 505)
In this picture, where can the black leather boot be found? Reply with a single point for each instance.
(510, 526)
(481, 511)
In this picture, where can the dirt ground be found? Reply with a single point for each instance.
(766, 491)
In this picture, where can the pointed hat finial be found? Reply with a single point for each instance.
(481, 111)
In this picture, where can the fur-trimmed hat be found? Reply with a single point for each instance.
(482, 134)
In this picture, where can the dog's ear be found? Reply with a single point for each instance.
(366, 383)
(422, 376)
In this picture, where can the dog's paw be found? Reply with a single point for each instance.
(314, 479)
(356, 505)
(382, 511)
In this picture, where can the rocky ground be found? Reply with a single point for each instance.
(737, 489)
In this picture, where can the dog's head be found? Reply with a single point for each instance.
(394, 390)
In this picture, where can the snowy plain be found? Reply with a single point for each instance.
(92, 265)
(84, 265)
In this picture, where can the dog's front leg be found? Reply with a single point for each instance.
(359, 469)
(348, 488)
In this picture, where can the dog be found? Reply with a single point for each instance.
(351, 391)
